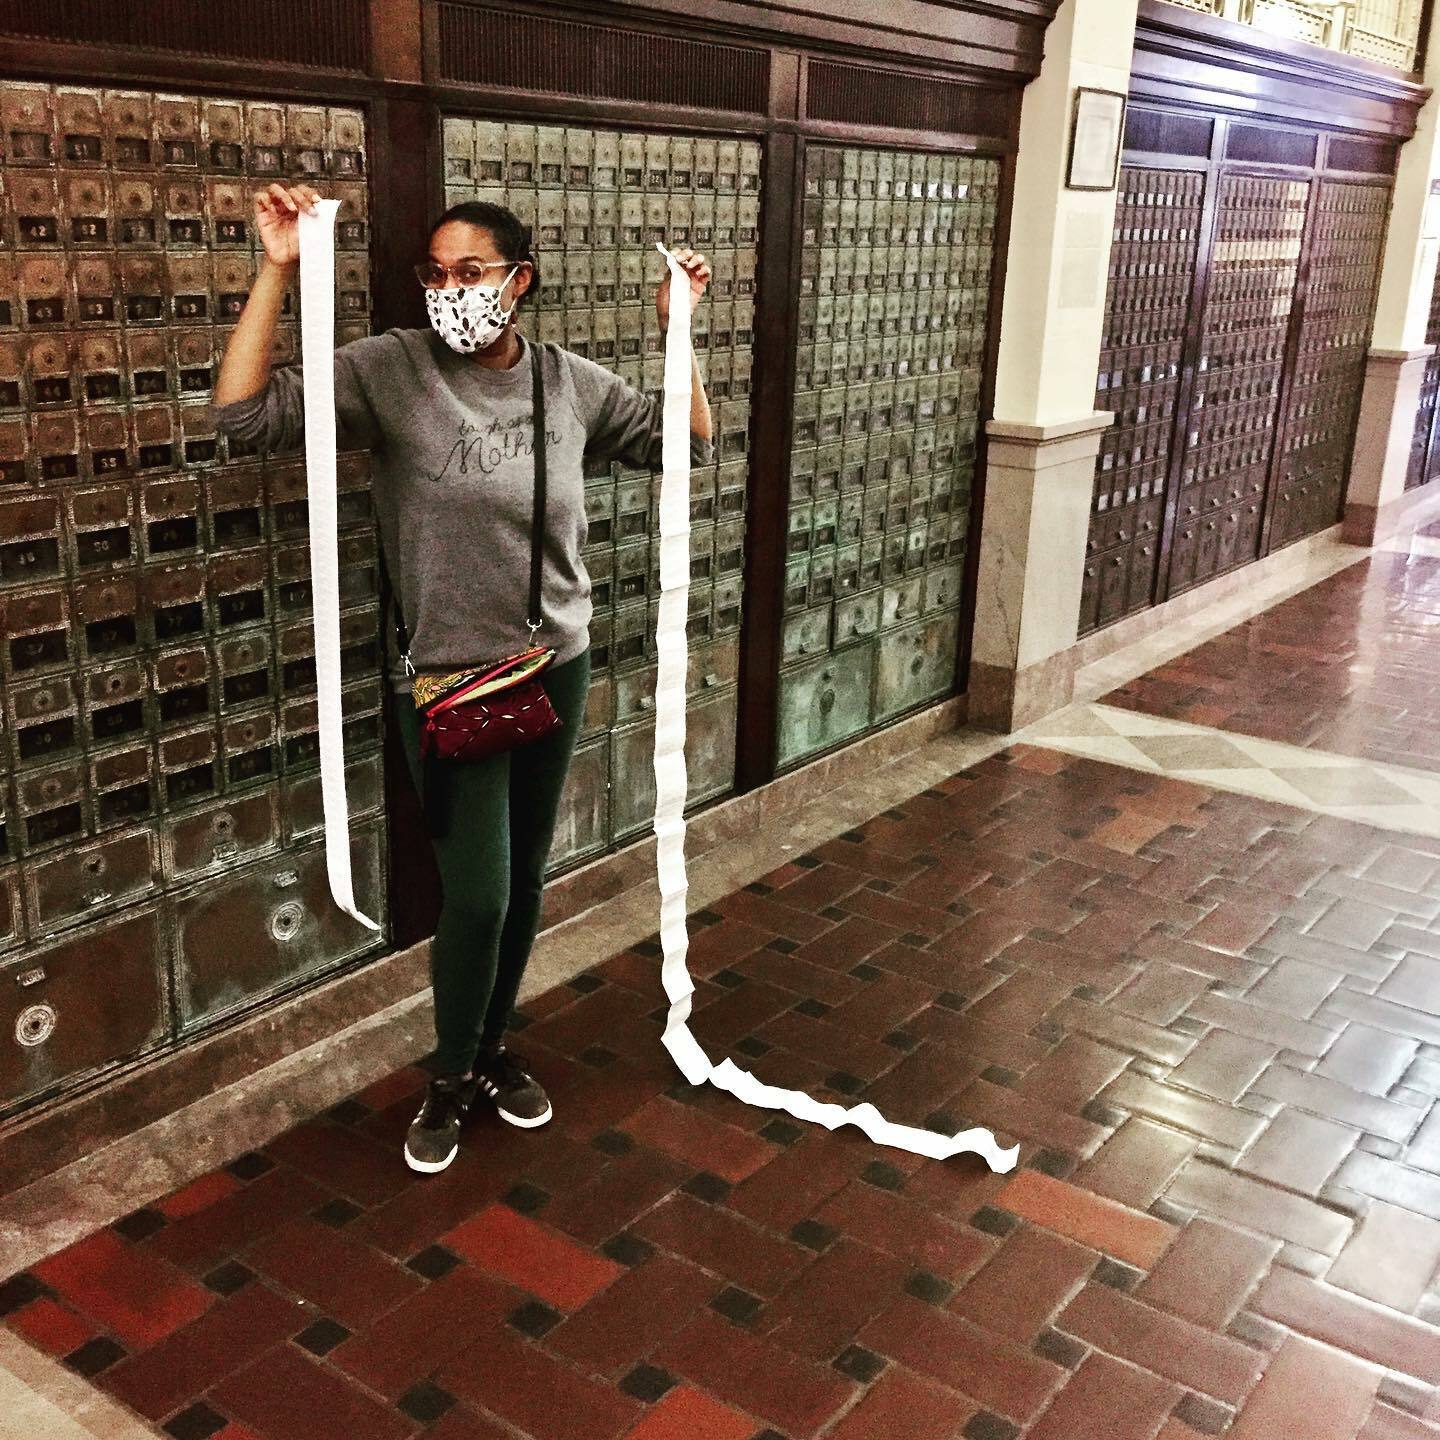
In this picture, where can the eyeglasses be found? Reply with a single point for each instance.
(432, 275)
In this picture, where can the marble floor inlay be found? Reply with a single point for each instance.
(1388, 796)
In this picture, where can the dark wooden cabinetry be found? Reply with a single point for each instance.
(1248, 241)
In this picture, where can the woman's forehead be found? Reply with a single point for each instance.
(460, 241)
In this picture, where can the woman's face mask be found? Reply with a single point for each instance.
(470, 317)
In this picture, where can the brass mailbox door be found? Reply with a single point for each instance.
(269, 927)
(52, 1030)
(826, 701)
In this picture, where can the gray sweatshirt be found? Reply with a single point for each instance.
(453, 480)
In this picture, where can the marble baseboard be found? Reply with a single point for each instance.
(1294, 561)
(296, 1058)
(1371, 525)
(1008, 700)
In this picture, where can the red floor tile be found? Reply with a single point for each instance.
(111, 1281)
(1334, 1393)
(532, 1256)
(288, 1395)
(234, 1332)
(797, 1397)
(1101, 1224)
(997, 1375)
(689, 1414)
(1110, 1399)
(541, 1395)
(52, 1326)
(902, 1406)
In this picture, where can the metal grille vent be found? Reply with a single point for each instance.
(865, 95)
(1267, 146)
(1157, 132)
(320, 34)
(569, 57)
(1365, 157)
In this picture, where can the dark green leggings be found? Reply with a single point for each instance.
(498, 818)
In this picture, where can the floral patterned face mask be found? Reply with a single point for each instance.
(469, 317)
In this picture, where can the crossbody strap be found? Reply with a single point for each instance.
(537, 524)
(537, 519)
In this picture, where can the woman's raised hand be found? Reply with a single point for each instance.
(277, 208)
(697, 267)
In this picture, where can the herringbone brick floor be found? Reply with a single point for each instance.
(1211, 1022)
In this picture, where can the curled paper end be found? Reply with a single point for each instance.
(671, 786)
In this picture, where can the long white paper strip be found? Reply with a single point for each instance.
(670, 791)
(317, 353)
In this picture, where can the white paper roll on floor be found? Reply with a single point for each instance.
(671, 786)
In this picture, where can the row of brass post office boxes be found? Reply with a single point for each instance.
(145, 851)
(876, 174)
(609, 276)
(74, 126)
(103, 210)
(818, 526)
(839, 613)
(844, 275)
(87, 1001)
(615, 226)
(64, 713)
(150, 288)
(942, 456)
(867, 225)
(919, 403)
(58, 802)
(82, 531)
(817, 576)
(517, 156)
(620, 574)
(626, 506)
(626, 634)
(48, 627)
(612, 334)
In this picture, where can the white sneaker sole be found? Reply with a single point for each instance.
(429, 1167)
(522, 1122)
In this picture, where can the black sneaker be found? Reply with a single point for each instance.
(517, 1095)
(434, 1134)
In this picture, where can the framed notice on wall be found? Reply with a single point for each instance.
(1096, 129)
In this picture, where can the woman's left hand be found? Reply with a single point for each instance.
(697, 267)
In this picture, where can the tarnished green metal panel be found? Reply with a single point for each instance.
(896, 251)
(825, 701)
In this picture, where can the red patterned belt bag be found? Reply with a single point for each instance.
(482, 711)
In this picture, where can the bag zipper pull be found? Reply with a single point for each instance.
(405, 660)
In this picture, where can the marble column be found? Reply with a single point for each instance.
(1041, 445)
(1038, 486)
(1376, 499)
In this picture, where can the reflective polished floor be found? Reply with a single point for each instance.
(1182, 945)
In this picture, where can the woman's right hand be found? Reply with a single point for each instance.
(277, 208)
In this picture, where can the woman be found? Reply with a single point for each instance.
(447, 413)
